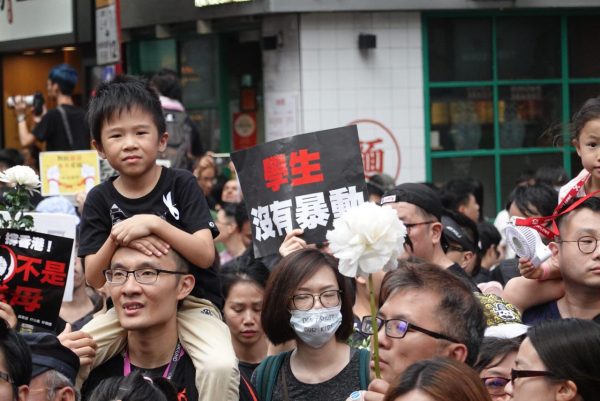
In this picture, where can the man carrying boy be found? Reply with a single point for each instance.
(147, 291)
(153, 209)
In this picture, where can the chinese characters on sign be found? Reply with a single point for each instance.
(33, 272)
(67, 173)
(306, 181)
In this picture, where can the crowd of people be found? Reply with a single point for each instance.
(177, 306)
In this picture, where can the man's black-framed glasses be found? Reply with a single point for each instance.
(495, 385)
(397, 328)
(143, 276)
(515, 374)
(411, 225)
(329, 299)
(586, 244)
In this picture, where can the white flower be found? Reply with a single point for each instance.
(21, 175)
(367, 239)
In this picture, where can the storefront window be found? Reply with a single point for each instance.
(500, 89)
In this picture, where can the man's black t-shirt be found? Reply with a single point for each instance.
(51, 129)
(176, 198)
(541, 313)
(183, 379)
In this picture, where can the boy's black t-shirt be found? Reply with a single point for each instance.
(176, 198)
(51, 129)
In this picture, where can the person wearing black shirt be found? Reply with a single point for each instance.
(62, 128)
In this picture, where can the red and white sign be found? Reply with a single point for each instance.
(244, 130)
(379, 148)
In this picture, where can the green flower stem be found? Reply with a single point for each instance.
(375, 328)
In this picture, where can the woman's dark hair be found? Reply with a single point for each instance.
(442, 379)
(237, 212)
(555, 176)
(589, 111)
(167, 83)
(493, 347)
(255, 272)
(288, 274)
(134, 387)
(17, 355)
(570, 350)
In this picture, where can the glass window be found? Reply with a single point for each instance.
(580, 93)
(479, 168)
(527, 113)
(459, 54)
(462, 118)
(199, 71)
(528, 47)
(584, 58)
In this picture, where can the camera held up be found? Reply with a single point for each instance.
(36, 101)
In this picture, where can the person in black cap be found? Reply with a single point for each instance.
(54, 369)
(420, 209)
(462, 240)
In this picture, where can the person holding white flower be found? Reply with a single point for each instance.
(311, 302)
(424, 312)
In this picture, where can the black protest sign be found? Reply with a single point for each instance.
(305, 181)
(33, 273)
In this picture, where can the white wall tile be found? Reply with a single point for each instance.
(328, 79)
(310, 79)
(309, 59)
(328, 59)
(311, 100)
(329, 100)
(309, 39)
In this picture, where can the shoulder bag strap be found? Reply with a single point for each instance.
(63, 115)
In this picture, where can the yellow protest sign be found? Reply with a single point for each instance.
(67, 173)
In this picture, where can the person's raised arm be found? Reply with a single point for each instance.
(95, 263)
(25, 136)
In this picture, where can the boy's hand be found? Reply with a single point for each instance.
(81, 343)
(150, 245)
(135, 227)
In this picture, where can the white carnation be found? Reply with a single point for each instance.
(367, 239)
(21, 175)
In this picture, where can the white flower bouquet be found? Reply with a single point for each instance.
(22, 182)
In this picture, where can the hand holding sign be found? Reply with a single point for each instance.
(7, 313)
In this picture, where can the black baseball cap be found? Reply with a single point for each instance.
(417, 194)
(47, 353)
(455, 233)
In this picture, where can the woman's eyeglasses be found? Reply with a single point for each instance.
(495, 385)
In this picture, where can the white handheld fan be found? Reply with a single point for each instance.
(527, 243)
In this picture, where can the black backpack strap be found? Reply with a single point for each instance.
(364, 358)
(63, 115)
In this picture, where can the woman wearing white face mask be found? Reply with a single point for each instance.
(306, 299)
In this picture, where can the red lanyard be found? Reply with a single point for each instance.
(537, 223)
(170, 369)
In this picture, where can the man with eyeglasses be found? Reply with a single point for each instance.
(54, 369)
(146, 291)
(425, 312)
(420, 209)
(577, 255)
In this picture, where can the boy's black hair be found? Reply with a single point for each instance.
(540, 196)
(124, 93)
(455, 193)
